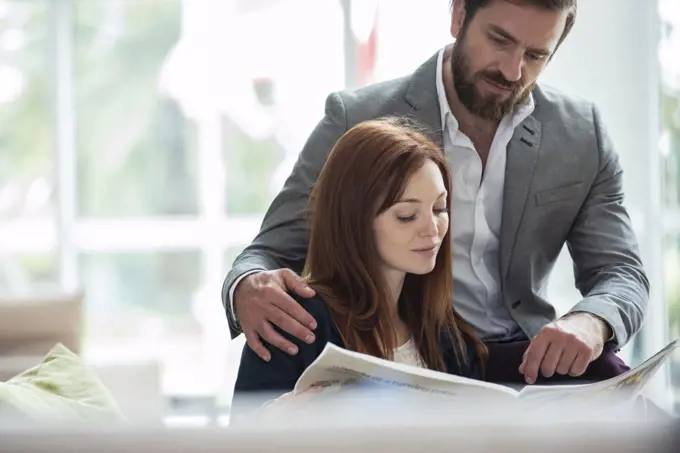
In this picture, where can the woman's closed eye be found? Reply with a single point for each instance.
(405, 219)
(410, 218)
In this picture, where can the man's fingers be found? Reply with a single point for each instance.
(256, 345)
(288, 324)
(580, 364)
(534, 357)
(296, 284)
(566, 361)
(290, 307)
(552, 357)
(523, 365)
(271, 336)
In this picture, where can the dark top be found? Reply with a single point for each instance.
(279, 375)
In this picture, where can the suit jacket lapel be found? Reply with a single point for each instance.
(421, 96)
(522, 157)
(522, 153)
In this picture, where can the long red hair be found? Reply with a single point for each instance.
(365, 174)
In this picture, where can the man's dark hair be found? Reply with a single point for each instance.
(473, 6)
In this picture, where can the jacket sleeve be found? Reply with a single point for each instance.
(607, 266)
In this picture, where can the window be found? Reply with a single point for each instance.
(131, 134)
(669, 12)
(26, 148)
(140, 144)
(179, 135)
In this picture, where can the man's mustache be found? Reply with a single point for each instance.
(498, 79)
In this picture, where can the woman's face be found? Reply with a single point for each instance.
(410, 232)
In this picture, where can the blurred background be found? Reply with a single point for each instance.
(141, 142)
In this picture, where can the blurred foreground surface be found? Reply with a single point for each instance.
(377, 422)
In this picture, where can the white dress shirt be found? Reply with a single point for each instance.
(475, 221)
(477, 206)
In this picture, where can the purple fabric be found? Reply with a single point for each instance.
(505, 359)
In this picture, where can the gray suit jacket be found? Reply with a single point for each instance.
(563, 183)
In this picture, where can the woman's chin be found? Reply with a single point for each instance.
(421, 270)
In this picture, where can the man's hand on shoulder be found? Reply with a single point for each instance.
(261, 300)
(565, 346)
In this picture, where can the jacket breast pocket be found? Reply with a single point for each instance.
(558, 194)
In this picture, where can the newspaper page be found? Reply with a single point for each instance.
(339, 367)
(623, 389)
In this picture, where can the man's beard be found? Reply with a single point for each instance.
(490, 107)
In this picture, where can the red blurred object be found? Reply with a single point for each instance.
(366, 56)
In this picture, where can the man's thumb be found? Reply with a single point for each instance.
(295, 283)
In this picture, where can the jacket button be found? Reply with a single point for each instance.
(516, 304)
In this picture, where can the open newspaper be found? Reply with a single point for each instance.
(340, 367)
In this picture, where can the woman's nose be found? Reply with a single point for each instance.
(430, 229)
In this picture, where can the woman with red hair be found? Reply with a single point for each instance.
(379, 261)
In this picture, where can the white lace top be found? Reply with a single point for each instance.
(408, 354)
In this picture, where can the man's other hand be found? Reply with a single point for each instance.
(261, 299)
(565, 346)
